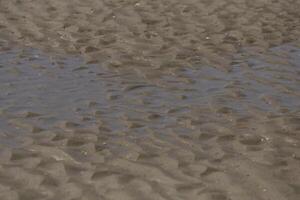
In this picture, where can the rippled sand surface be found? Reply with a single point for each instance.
(149, 100)
(71, 130)
(151, 34)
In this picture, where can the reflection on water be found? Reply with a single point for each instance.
(255, 105)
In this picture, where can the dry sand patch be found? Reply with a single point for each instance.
(151, 34)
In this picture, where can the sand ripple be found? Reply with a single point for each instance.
(76, 131)
(151, 34)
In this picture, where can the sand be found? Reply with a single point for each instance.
(151, 34)
(145, 100)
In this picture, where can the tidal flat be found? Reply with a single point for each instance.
(142, 100)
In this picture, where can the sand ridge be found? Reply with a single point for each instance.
(151, 34)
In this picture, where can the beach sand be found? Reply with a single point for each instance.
(151, 34)
(162, 100)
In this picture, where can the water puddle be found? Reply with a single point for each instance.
(61, 89)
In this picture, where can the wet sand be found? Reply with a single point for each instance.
(149, 100)
(76, 131)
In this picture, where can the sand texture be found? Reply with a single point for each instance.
(149, 100)
(151, 34)
(82, 132)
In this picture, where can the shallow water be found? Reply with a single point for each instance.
(190, 116)
(67, 89)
